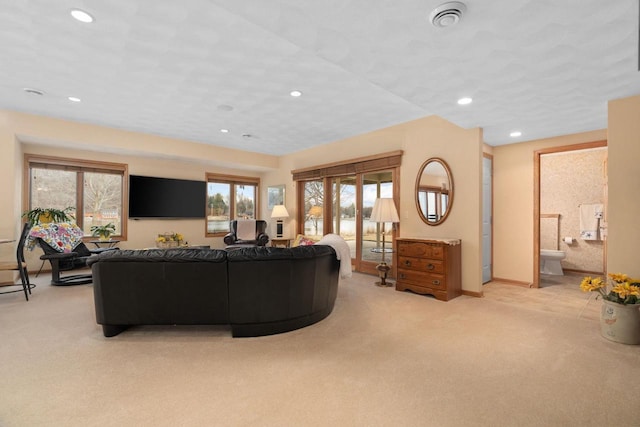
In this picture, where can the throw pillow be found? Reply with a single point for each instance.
(302, 240)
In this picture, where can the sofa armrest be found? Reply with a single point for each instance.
(65, 255)
(101, 250)
(262, 239)
(230, 238)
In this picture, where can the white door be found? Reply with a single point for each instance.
(487, 166)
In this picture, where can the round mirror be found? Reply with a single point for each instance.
(434, 191)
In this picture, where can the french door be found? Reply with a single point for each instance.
(351, 199)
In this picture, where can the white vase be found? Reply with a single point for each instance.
(620, 323)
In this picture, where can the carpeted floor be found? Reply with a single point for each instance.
(518, 357)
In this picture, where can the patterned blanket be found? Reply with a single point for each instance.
(62, 236)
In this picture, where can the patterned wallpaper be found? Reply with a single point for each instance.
(568, 180)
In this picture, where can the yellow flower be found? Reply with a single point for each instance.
(626, 289)
(588, 284)
(160, 239)
(618, 277)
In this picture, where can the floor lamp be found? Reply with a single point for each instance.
(384, 210)
(279, 213)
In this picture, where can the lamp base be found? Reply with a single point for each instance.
(383, 270)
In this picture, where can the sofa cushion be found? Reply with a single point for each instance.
(302, 240)
(262, 253)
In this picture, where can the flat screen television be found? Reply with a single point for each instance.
(152, 197)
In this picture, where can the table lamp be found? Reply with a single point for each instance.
(279, 213)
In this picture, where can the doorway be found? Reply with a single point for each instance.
(562, 207)
(487, 218)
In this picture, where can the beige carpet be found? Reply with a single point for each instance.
(382, 358)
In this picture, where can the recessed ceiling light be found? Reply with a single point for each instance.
(465, 101)
(224, 130)
(296, 93)
(74, 99)
(81, 15)
(515, 134)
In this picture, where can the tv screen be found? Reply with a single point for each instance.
(151, 197)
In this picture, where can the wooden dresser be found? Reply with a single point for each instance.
(429, 267)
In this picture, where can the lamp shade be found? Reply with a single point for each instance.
(315, 211)
(384, 210)
(279, 211)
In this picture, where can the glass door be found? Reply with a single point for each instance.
(374, 185)
(344, 210)
(342, 205)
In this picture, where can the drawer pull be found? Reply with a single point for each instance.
(402, 276)
(407, 263)
(430, 267)
(436, 282)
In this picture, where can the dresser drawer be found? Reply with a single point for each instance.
(420, 250)
(419, 278)
(421, 264)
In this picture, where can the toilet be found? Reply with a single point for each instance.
(550, 262)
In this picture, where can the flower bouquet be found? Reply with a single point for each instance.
(169, 240)
(624, 290)
(620, 315)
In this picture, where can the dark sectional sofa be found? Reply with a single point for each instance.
(257, 290)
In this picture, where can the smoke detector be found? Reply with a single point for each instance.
(447, 14)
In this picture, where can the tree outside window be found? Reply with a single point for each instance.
(93, 190)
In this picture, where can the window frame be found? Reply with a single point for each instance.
(80, 166)
(232, 180)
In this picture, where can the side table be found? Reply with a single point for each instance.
(280, 242)
(108, 243)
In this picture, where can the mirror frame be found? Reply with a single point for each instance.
(451, 190)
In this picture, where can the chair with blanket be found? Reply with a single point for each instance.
(64, 249)
(247, 232)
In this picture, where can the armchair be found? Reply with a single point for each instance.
(244, 232)
(64, 249)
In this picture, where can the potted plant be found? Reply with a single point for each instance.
(45, 215)
(620, 315)
(103, 232)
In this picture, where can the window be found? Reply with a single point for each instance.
(230, 197)
(433, 201)
(314, 208)
(93, 190)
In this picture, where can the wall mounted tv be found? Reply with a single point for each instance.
(151, 197)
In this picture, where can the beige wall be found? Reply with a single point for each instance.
(420, 140)
(144, 154)
(151, 155)
(141, 233)
(567, 180)
(623, 209)
(513, 203)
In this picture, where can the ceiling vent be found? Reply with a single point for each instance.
(447, 14)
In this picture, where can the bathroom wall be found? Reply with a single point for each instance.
(568, 179)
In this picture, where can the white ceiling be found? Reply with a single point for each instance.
(545, 67)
